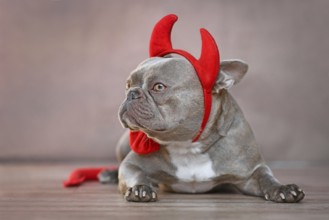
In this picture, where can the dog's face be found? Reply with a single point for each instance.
(160, 95)
(164, 97)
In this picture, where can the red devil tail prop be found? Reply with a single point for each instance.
(81, 175)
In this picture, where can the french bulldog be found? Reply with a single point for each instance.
(165, 100)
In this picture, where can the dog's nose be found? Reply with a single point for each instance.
(134, 93)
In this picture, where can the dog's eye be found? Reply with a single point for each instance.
(159, 87)
(127, 85)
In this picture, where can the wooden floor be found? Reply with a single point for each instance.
(34, 191)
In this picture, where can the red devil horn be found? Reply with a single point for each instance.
(161, 35)
(209, 60)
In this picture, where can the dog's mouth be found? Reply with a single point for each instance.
(134, 124)
(139, 116)
(129, 122)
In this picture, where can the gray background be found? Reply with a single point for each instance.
(63, 66)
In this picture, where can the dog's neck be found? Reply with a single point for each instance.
(219, 122)
(218, 125)
(220, 119)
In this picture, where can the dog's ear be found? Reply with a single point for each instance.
(231, 72)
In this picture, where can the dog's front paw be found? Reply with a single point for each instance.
(285, 193)
(141, 193)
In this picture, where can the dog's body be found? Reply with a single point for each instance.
(165, 101)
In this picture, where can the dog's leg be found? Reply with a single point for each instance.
(135, 185)
(122, 149)
(123, 146)
(263, 183)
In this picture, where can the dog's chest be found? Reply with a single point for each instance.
(193, 167)
(194, 171)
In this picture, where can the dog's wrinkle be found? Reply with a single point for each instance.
(148, 97)
(182, 132)
(146, 108)
(145, 122)
(140, 109)
(123, 109)
(141, 112)
(220, 121)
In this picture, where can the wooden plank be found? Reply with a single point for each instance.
(34, 191)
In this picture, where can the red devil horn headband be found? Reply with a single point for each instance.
(206, 67)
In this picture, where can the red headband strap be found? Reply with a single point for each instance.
(206, 67)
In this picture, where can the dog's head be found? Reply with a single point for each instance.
(164, 96)
(169, 96)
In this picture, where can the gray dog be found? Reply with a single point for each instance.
(165, 100)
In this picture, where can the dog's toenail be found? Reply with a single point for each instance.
(293, 193)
